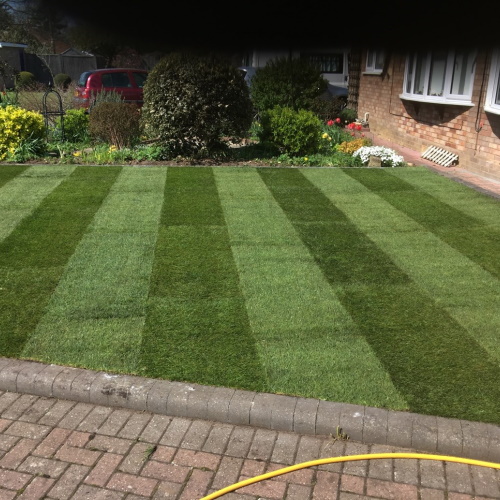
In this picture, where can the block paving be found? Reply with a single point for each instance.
(56, 449)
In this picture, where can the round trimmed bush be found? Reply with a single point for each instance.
(24, 79)
(194, 103)
(62, 81)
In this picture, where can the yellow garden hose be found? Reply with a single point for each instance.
(323, 461)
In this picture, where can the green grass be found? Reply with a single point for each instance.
(368, 286)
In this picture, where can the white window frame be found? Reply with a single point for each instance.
(494, 81)
(371, 69)
(447, 97)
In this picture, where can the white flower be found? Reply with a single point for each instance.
(387, 155)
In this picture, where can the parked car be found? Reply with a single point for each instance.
(125, 81)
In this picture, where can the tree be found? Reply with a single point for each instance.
(97, 41)
(23, 21)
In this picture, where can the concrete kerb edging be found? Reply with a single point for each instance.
(365, 424)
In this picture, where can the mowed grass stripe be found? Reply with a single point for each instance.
(417, 341)
(96, 315)
(34, 255)
(22, 194)
(8, 172)
(471, 202)
(465, 290)
(197, 327)
(306, 341)
(469, 235)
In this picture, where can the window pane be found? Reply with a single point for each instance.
(140, 79)
(497, 94)
(437, 74)
(419, 81)
(409, 73)
(462, 73)
(369, 59)
(379, 60)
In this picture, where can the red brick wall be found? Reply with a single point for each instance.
(465, 130)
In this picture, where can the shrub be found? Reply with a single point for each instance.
(287, 82)
(76, 125)
(328, 108)
(193, 103)
(19, 127)
(116, 123)
(351, 146)
(294, 132)
(62, 81)
(25, 79)
(348, 115)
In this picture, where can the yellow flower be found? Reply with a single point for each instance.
(306, 158)
(77, 153)
(112, 148)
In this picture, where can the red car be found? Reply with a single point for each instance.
(127, 82)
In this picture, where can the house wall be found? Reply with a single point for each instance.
(467, 131)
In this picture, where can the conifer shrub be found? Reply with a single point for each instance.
(116, 123)
(195, 104)
(293, 132)
(287, 82)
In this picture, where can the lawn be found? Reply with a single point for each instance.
(378, 287)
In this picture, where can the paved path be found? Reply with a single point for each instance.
(67, 433)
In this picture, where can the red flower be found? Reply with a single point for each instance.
(329, 123)
(337, 120)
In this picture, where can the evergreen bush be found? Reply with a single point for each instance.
(20, 127)
(62, 81)
(24, 79)
(293, 132)
(195, 104)
(287, 82)
(76, 125)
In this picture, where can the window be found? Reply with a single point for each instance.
(140, 78)
(115, 80)
(327, 63)
(492, 103)
(375, 61)
(440, 76)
